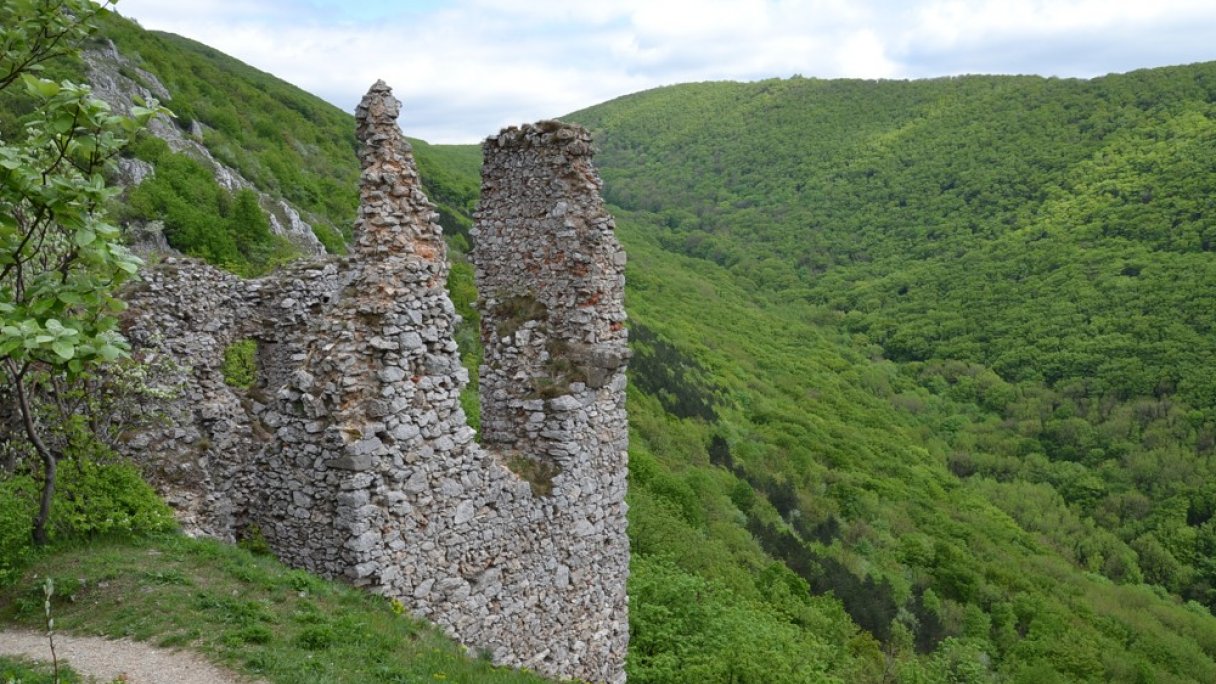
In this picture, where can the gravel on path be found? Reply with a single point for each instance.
(107, 659)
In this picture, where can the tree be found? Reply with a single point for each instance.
(60, 261)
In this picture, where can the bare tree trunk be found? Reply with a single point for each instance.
(49, 460)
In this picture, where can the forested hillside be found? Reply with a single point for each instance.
(958, 334)
(922, 386)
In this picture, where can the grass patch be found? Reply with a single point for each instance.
(548, 388)
(24, 671)
(511, 313)
(565, 366)
(245, 612)
(537, 473)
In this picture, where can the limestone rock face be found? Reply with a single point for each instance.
(107, 73)
(353, 457)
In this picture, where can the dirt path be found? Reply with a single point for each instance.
(106, 659)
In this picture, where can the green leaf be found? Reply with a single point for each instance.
(84, 237)
(63, 123)
(109, 352)
(64, 349)
(40, 87)
(7, 347)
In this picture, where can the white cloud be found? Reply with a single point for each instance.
(863, 54)
(467, 67)
(952, 21)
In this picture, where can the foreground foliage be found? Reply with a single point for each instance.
(92, 500)
(61, 262)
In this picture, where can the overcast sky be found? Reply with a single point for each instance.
(465, 68)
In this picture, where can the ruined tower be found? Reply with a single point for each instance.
(550, 277)
(353, 457)
(550, 274)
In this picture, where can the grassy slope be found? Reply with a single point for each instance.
(246, 612)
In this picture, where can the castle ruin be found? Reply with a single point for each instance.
(352, 455)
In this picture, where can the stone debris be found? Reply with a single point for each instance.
(352, 455)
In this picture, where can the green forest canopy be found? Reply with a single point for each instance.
(985, 376)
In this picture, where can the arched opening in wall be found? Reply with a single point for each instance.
(250, 367)
(240, 364)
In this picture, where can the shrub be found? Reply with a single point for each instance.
(249, 634)
(316, 637)
(252, 540)
(332, 240)
(91, 498)
(240, 367)
(18, 497)
(107, 499)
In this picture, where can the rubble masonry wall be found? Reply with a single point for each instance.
(352, 456)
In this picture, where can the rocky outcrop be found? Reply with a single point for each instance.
(353, 457)
(120, 83)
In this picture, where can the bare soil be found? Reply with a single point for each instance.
(127, 661)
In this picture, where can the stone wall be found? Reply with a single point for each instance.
(352, 455)
(189, 312)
